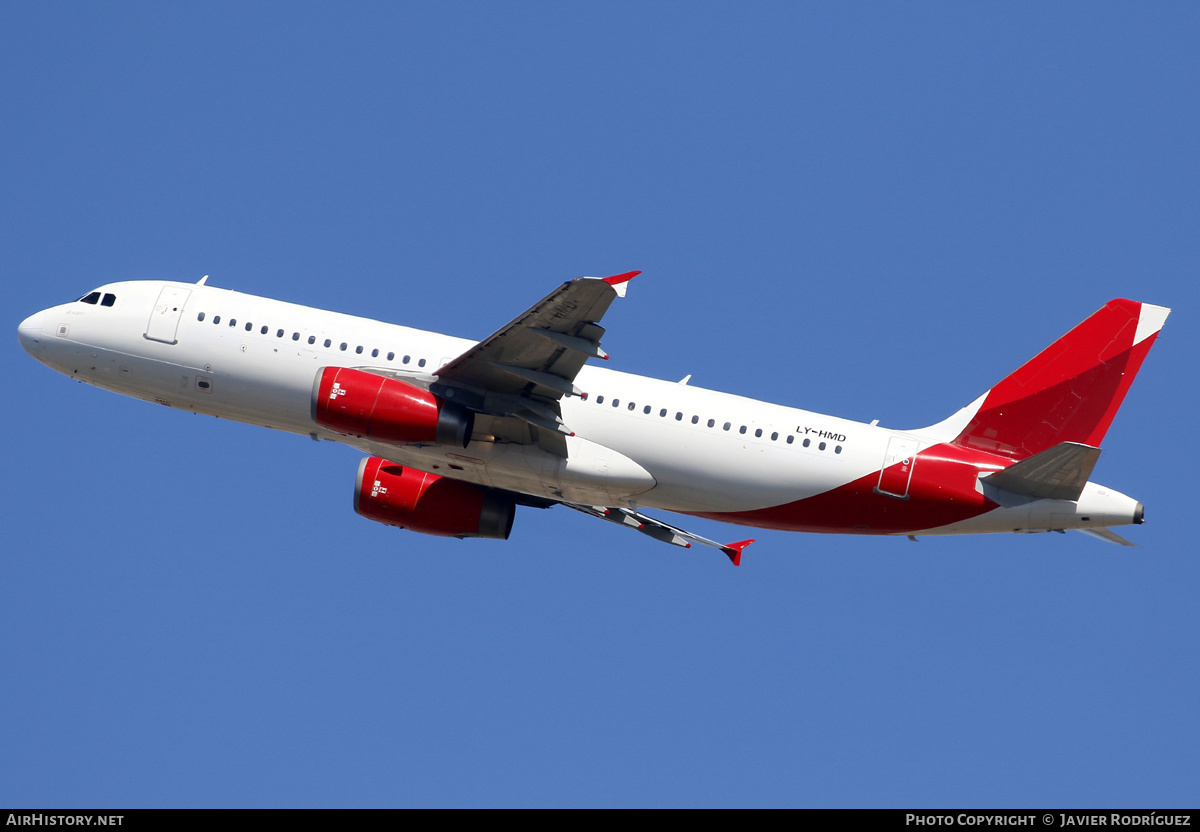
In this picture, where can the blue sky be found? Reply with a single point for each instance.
(870, 210)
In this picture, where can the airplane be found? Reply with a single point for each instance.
(458, 433)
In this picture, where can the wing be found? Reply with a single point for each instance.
(518, 374)
(659, 530)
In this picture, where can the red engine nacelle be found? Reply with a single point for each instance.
(409, 499)
(377, 407)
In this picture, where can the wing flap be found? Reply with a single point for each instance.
(572, 342)
(658, 530)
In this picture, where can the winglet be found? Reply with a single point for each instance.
(618, 281)
(734, 551)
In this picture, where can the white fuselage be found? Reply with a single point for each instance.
(638, 441)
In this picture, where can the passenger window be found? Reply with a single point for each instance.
(791, 439)
(711, 422)
(391, 355)
(646, 410)
(312, 339)
(358, 350)
(421, 363)
(837, 449)
(616, 402)
(821, 447)
(233, 321)
(95, 296)
(263, 331)
(199, 317)
(727, 426)
(328, 343)
(678, 417)
(632, 405)
(662, 413)
(695, 420)
(279, 333)
(599, 400)
(742, 429)
(295, 336)
(758, 432)
(343, 346)
(406, 359)
(374, 353)
(807, 442)
(249, 326)
(216, 319)
(109, 299)
(774, 436)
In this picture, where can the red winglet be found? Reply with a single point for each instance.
(618, 279)
(736, 554)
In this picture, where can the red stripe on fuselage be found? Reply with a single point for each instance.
(942, 491)
(1068, 394)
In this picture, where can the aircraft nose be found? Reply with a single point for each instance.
(29, 333)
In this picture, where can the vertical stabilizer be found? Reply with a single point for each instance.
(1070, 391)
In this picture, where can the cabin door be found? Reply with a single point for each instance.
(164, 319)
(898, 464)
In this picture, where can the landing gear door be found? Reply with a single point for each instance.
(898, 464)
(164, 319)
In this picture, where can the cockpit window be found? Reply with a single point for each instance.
(90, 298)
(109, 299)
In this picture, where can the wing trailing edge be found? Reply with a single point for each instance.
(657, 529)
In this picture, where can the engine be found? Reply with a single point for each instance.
(410, 499)
(357, 403)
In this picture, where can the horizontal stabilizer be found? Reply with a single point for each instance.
(1059, 473)
(1109, 535)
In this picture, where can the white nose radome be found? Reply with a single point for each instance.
(29, 333)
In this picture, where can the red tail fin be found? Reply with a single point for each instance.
(1070, 391)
